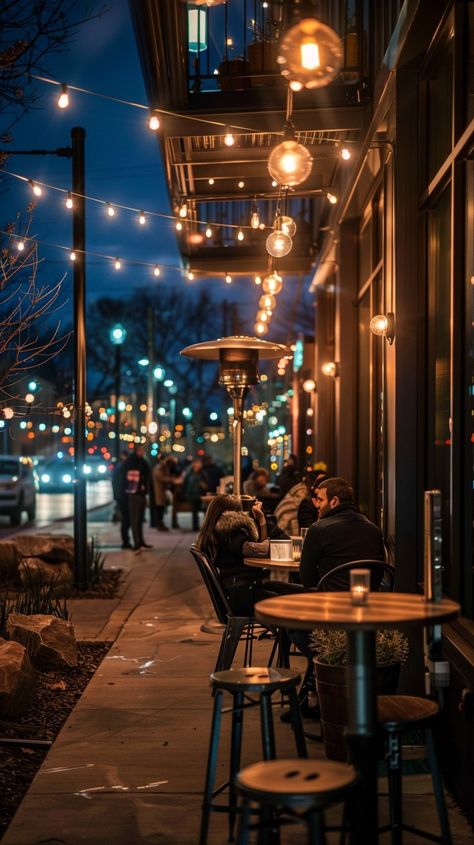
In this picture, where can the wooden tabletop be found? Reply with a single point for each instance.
(265, 562)
(334, 610)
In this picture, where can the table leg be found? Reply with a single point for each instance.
(362, 734)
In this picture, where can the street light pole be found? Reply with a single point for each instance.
(79, 278)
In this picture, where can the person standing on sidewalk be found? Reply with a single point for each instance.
(162, 481)
(119, 489)
(137, 475)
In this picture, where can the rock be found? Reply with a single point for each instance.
(50, 547)
(34, 568)
(16, 678)
(9, 560)
(50, 641)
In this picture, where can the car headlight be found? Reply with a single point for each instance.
(101, 468)
(67, 478)
(45, 478)
(87, 470)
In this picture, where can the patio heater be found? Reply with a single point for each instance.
(238, 360)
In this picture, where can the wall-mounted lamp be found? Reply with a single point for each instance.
(330, 368)
(384, 324)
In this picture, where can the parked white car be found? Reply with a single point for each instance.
(18, 486)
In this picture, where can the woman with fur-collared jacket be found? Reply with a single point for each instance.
(228, 534)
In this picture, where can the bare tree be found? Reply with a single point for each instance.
(25, 307)
(30, 31)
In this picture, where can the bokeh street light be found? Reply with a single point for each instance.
(117, 337)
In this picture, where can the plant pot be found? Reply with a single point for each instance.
(233, 74)
(331, 686)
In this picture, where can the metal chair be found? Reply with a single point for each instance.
(382, 575)
(235, 626)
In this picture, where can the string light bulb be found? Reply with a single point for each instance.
(37, 190)
(290, 163)
(8, 413)
(179, 226)
(154, 122)
(117, 264)
(63, 99)
(20, 245)
(72, 256)
(272, 283)
(383, 325)
(254, 220)
(142, 218)
(156, 270)
(208, 232)
(229, 139)
(262, 316)
(310, 55)
(228, 279)
(258, 280)
(346, 154)
(190, 275)
(241, 184)
(240, 235)
(332, 198)
(330, 368)
(261, 328)
(211, 181)
(278, 243)
(288, 225)
(110, 210)
(183, 210)
(69, 202)
(267, 301)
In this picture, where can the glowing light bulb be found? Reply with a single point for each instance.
(262, 317)
(63, 99)
(20, 245)
(190, 276)
(208, 232)
(240, 235)
(29, 398)
(290, 163)
(261, 328)
(229, 139)
(8, 413)
(261, 226)
(154, 122)
(288, 225)
(142, 218)
(179, 225)
(241, 184)
(211, 181)
(35, 188)
(254, 220)
(69, 202)
(267, 301)
(329, 369)
(110, 210)
(346, 154)
(156, 271)
(117, 264)
(183, 210)
(310, 55)
(272, 283)
(274, 183)
(332, 198)
(72, 256)
(228, 279)
(278, 244)
(258, 280)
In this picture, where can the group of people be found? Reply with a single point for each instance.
(135, 485)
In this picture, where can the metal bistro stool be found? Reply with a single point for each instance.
(240, 683)
(396, 714)
(289, 791)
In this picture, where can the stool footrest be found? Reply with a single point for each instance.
(423, 834)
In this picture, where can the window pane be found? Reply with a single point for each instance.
(439, 106)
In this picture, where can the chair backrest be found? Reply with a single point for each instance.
(211, 580)
(382, 576)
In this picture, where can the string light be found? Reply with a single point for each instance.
(254, 220)
(110, 210)
(211, 181)
(117, 264)
(262, 316)
(69, 202)
(228, 279)
(208, 232)
(20, 245)
(278, 243)
(258, 280)
(288, 225)
(154, 122)
(274, 183)
(240, 235)
(229, 139)
(63, 99)
(142, 218)
(261, 328)
(183, 210)
(190, 275)
(179, 226)
(37, 190)
(156, 270)
(241, 184)
(346, 154)
(290, 163)
(72, 256)
(332, 198)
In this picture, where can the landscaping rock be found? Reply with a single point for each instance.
(50, 641)
(9, 559)
(35, 568)
(50, 547)
(16, 678)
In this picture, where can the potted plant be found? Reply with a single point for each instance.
(330, 660)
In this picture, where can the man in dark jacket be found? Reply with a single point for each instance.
(341, 534)
(137, 478)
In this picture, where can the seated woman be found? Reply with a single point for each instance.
(228, 534)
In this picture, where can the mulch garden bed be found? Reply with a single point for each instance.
(107, 588)
(55, 695)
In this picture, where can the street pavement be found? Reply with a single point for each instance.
(128, 767)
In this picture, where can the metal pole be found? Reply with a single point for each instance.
(118, 367)
(150, 398)
(238, 395)
(79, 277)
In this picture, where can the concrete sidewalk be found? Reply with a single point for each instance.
(129, 765)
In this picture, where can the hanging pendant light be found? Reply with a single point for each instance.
(278, 243)
(267, 301)
(272, 283)
(288, 225)
(310, 55)
(290, 163)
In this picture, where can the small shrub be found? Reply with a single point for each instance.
(330, 646)
(39, 595)
(95, 563)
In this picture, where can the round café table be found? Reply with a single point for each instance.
(335, 610)
(281, 568)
